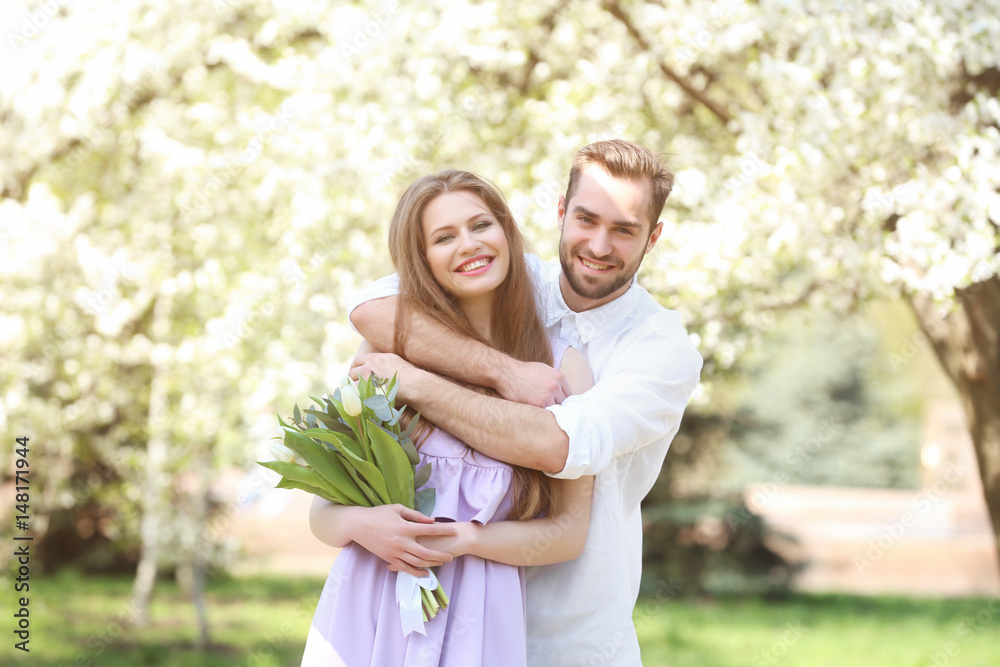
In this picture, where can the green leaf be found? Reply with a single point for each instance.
(340, 441)
(391, 390)
(347, 419)
(425, 500)
(297, 414)
(331, 423)
(380, 406)
(329, 466)
(421, 476)
(410, 450)
(412, 427)
(375, 478)
(366, 388)
(357, 460)
(306, 477)
(285, 483)
(393, 463)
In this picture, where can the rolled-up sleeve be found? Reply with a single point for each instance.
(639, 399)
(381, 288)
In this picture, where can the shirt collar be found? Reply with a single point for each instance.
(583, 327)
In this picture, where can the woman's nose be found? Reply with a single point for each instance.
(468, 241)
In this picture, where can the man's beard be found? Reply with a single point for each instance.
(586, 288)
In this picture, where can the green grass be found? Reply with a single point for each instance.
(263, 621)
(818, 631)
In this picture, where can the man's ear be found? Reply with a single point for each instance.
(654, 236)
(562, 211)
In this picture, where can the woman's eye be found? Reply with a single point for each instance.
(482, 225)
(443, 239)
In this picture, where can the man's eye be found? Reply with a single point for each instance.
(625, 230)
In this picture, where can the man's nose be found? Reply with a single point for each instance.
(600, 243)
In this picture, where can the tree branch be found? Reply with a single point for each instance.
(616, 10)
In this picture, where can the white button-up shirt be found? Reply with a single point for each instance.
(645, 369)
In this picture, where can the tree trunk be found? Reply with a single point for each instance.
(199, 554)
(966, 341)
(154, 483)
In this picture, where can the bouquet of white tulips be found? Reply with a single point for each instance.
(349, 449)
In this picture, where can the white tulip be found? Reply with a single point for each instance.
(282, 453)
(351, 399)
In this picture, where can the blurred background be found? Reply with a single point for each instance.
(190, 191)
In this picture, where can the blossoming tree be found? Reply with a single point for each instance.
(186, 191)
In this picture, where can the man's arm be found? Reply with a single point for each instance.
(437, 348)
(515, 433)
(640, 400)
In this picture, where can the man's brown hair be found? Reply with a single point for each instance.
(627, 161)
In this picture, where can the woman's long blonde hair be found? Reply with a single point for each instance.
(516, 329)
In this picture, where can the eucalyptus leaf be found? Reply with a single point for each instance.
(412, 427)
(392, 389)
(422, 474)
(425, 500)
(410, 450)
(297, 414)
(380, 406)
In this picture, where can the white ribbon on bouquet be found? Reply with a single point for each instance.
(410, 601)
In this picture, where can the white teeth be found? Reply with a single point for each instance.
(591, 265)
(478, 264)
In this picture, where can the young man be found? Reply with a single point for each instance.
(645, 370)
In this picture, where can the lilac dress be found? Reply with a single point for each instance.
(357, 620)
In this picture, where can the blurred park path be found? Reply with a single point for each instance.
(276, 539)
(934, 541)
(930, 541)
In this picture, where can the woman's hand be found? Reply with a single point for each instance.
(457, 544)
(391, 532)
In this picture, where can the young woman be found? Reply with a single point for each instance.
(459, 256)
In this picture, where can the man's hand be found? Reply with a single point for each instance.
(382, 364)
(391, 531)
(532, 383)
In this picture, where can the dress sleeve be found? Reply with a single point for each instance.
(639, 400)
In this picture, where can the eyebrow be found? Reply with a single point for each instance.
(477, 216)
(632, 224)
